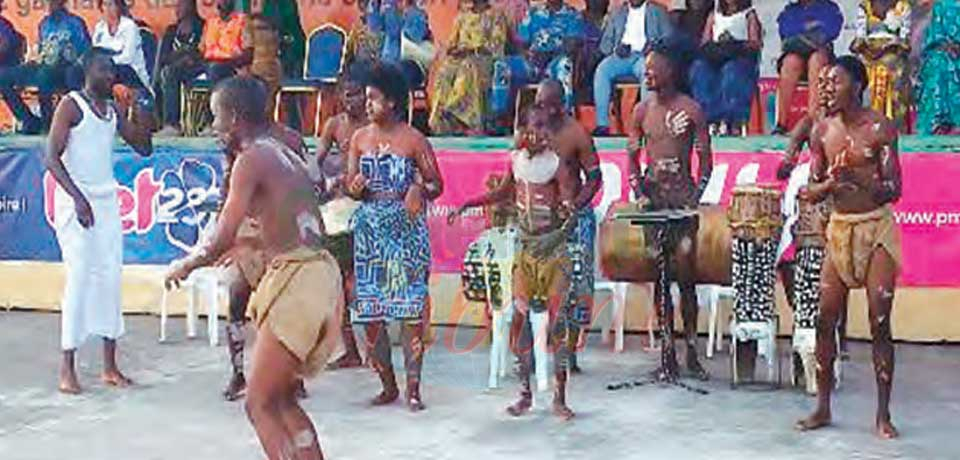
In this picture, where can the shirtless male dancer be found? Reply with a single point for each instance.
(295, 305)
(245, 264)
(543, 191)
(576, 149)
(798, 138)
(856, 163)
(79, 156)
(333, 145)
(670, 126)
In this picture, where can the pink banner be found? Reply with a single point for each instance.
(928, 214)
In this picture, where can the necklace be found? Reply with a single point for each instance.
(93, 106)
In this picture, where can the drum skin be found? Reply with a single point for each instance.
(624, 253)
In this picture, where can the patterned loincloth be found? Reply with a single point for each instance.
(539, 273)
(852, 238)
(299, 299)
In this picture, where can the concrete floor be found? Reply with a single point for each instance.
(176, 412)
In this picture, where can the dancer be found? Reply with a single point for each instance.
(576, 149)
(295, 304)
(543, 189)
(857, 164)
(87, 216)
(245, 264)
(393, 171)
(332, 164)
(669, 127)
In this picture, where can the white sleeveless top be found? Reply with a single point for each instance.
(736, 24)
(539, 169)
(88, 156)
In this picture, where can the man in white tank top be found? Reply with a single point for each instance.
(87, 215)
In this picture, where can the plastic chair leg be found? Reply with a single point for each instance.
(538, 321)
(192, 311)
(163, 315)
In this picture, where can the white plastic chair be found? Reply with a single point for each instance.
(203, 283)
(765, 333)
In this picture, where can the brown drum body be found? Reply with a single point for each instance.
(626, 254)
(755, 212)
(811, 226)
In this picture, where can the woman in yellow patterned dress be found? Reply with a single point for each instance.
(883, 43)
(460, 91)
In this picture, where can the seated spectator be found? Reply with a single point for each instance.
(416, 51)
(224, 44)
(179, 61)
(589, 55)
(263, 40)
(883, 44)
(293, 45)
(939, 106)
(118, 33)
(63, 39)
(690, 16)
(548, 35)
(365, 40)
(808, 29)
(12, 44)
(724, 79)
(479, 37)
(626, 33)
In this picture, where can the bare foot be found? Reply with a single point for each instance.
(115, 379)
(301, 392)
(236, 389)
(520, 407)
(886, 430)
(561, 410)
(346, 361)
(387, 396)
(415, 404)
(818, 420)
(69, 384)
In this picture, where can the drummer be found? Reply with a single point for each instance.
(541, 186)
(332, 147)
(670, 127)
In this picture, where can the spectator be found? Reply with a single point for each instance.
(808, 29)
(224, 44)
(179, 61)
(690, 16)
(63, 40)
(589, 56)
(548, 35)
(416, 51)
(263, 39)
(293, 43)
(12, 44)
(365, 40)
(724, 79)
(625, 35)
(939, 104)
(118, 33)
(479, 37)
(883, 44)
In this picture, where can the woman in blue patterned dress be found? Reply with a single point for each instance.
(939, 107)
(393, 171)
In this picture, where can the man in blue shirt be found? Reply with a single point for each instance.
(63, 41)
(808, 29)
(548, 35)
(11, 44)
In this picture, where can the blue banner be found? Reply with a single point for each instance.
(167, 201)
